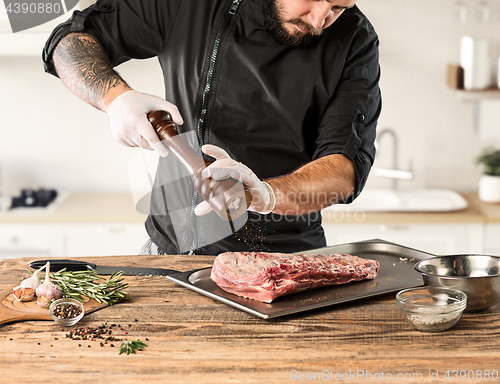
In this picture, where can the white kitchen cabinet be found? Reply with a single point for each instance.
(103, 239)
(26, 239)
(69, 240)
(439, 239)
(492, 239)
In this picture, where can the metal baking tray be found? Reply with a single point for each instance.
(396, 273)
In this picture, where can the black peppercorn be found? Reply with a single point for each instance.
(67, 311)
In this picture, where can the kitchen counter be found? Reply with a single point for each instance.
(194, 339)
(119, 207)
(476, 212)
(80, 208)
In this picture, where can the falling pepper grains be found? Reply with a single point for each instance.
(253, 234)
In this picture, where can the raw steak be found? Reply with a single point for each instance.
(266, 276)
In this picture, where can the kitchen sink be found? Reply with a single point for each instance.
(417, 200)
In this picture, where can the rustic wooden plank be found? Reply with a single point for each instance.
(194, 339)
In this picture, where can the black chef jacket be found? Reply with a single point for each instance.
(271, 106)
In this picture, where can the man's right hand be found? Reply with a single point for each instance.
(129, 122)
(83, 66)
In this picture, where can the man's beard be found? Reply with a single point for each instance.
(275, 24)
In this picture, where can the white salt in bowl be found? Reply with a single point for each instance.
(431, 309)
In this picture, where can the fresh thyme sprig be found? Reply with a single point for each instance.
(130, 346)
(76, 284)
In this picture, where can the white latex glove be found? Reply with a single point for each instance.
(129, 122)
(263, 198)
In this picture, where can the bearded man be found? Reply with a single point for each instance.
(282, 95)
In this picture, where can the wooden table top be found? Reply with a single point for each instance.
(194, 339)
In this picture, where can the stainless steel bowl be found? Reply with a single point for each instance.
(476, 275)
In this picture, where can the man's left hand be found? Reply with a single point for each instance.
(263, 198)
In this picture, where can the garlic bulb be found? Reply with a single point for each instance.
(24, 293)
(48, 288)
(33, 282)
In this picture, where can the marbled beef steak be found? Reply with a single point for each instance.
(265, 276)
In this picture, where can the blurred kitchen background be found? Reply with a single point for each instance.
(50, 139)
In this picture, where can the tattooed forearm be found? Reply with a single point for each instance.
(84, 68)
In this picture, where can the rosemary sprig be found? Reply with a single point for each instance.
(76, 284)
(130, 346)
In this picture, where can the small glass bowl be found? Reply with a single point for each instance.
(431, 309)
(58, 307)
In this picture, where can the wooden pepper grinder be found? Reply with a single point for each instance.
(227, 197)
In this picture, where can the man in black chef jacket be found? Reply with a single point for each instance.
(283, 94)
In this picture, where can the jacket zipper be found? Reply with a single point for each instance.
(234, 6)
(204, 105)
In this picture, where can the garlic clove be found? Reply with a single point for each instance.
(43, 301)
(18, 292)
(23, 294)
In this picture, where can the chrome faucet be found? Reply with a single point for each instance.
(394, 173)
